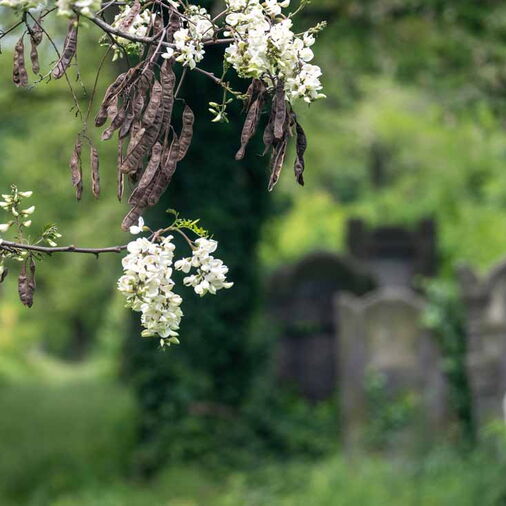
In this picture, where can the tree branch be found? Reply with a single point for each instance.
(14, 246)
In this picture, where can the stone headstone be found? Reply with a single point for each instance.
(300, 303)
(381, 342)
(485, 300)
(394, 255)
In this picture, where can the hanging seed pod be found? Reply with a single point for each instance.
(69, 51)
(95, 175)
(147, 176)
(19, 73)
(76, 168)
(278, 158)
(168, 79)
(144, 141)
(37, 32)
(250, 125)
(34, 58)
(26, 284)
(300, 148)
(268, 137)
(117, 121)
(110, 94)
(279, 105)
(256, 87)
(164, 176)
(186, 132)
(154, 104)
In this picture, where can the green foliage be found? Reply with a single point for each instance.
(444, 315)
(59, 438)
(388, 414)
(36, 138)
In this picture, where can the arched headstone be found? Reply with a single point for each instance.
(300, 301)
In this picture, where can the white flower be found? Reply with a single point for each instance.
(28, 211)
(4, 227)
(169, 53)
(137, 229)
(211, 272)
(147, 285)
(265, 47)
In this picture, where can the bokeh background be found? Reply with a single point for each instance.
(91, 414)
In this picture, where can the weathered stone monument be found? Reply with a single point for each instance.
(394, 255)
(485, 300)
(381, 340)
(301, 307)
(301, 297)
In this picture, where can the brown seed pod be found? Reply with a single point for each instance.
(19, 73)
(155, 101)
(278, 158)
(117, 122)
(256, 87)
(300, 148)
(186, 132)
(37, 32)
(69, 51)
(95, 175)
(110, 94)
(164, 176)
(168, 79)
(76, 168)
(148, 175)
(250, 124)
(268, 137)
(26, 284)
(34, 58)
(143, 142)
(280, 112)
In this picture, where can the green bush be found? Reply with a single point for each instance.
(56, 438)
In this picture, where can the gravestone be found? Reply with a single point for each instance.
(300, 301)
(390, 380)
(485, 300)
(394, 255)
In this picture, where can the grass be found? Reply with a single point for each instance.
(71, 445)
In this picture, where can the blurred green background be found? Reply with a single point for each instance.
(90, 414)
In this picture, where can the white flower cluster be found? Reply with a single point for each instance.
(147, 285)
(189, 39)
(86, 7)
(21, 4)
(211, 272)
(11, 203)
(265, 47)
(138, 27)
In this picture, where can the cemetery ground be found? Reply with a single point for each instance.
(71, 443)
